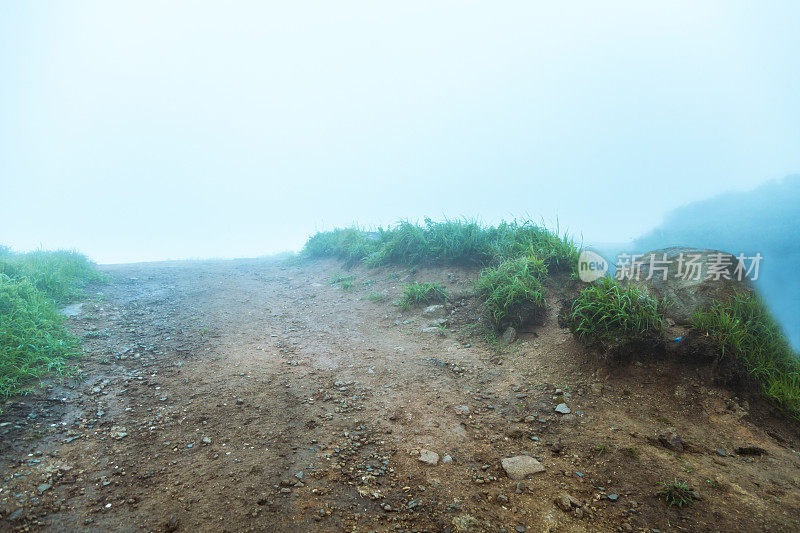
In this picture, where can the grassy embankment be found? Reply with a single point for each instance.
(33, 341)
(519, 257)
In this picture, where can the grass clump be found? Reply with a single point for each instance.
(677, 493)
(33, 341)
(350, 245)
(744, 331)
(513, 291)
(612, 316)
(60, 275)
(344, 281)
(421, 293)
(449, 242)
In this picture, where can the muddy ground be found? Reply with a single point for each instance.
(255, 395)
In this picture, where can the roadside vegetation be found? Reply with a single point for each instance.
(415, 294)
(744, 331)
(452, 242)
(513, 293)
(613, 317)
(33, 341)
(518, 257)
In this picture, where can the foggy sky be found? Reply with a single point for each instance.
(152, 130)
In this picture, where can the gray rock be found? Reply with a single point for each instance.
(428, 457)
(563, 502)
(716, 279)
(566, 502)
(43, 487)
(435, 311)
(669, 439)
(563, 409)
(447, 459)
(509, 335)
(521, 466)
(469, 524)
(461, 410)
(206, 440)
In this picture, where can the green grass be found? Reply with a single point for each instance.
(513, 291)
(60, 275)
(344, 281)
(375, 297)
(744, 331)
(518, 257)
(450, 242)
(33, 341)
(611, 316)
(677, 493)
(416, 293)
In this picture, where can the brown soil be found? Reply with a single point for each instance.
(314, 402)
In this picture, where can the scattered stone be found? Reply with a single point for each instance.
(721, 452)
(563, 409)
(521, 466)
(566, 502)
(434, 311)
(461, 410)
(447, 459)
(206, 440)
(563, 502)
(557, 447)
(516, 432)
(43, 487)
(669, 439)
(509, 335)
(520, 529)
(613, 497)
(428, 457)
(16, 515)
(568, 419)
(239, 401)
(466, 523)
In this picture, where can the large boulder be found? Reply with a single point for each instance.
(689, 278)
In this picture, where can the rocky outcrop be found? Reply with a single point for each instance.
(689, 278)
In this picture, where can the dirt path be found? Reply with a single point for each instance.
(255, 395)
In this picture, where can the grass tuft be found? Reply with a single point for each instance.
(677, 493)
(415, 294)
(513, 292)
(744, 330)
(33, 341)
(612, 316)
(344, 281)
(60, 275)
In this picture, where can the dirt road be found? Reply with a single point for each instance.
(255, 395)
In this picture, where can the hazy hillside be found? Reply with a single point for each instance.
(765, 220)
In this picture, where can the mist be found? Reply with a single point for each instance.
(763, 221)
(143, 131)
